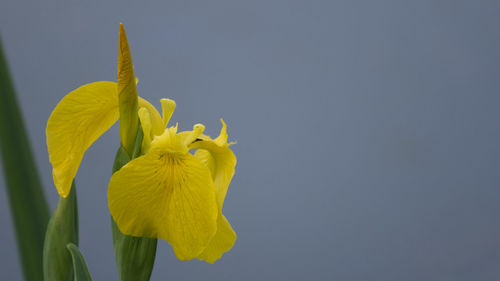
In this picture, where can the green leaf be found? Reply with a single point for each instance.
(62, 229)
(79, 265)
(27, 202)
(135, 256)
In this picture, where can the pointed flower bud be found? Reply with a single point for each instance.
(127, 94)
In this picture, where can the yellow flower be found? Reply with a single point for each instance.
(167, 192)
(171, 194)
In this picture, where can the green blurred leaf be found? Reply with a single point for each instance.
(62, 230)
(135, 256)
(79, 265)
(27, 202)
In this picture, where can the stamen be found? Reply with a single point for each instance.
(167, 108)
(197, 131)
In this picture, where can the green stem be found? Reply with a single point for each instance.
(135, 256)
(61, 230)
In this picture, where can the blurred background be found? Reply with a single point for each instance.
(368, 131)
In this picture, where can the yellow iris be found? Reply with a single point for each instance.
(171, 194)
(167, 192)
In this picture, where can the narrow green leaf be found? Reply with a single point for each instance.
(135, 256)
(27, 202)
(61, 230)
(79, 265)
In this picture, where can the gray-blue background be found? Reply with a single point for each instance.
(368, 131)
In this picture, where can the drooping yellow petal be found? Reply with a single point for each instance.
(222, 241)
(127, 93)
(167, 194)
(221, 161)
(77, 121)
(208, 160)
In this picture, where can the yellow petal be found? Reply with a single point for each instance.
(145, 118)
(168, 195)
(222, 242)
(156, 121)
(219, 159)
(167, 108)
(77, 121)
(221, 140)
(151, 122)
(207, 159)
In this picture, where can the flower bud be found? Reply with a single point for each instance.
(127, 94)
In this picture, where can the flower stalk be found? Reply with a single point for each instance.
(61, 230)
(134, 256)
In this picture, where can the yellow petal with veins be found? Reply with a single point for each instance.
(167, 194)
(78, 120)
